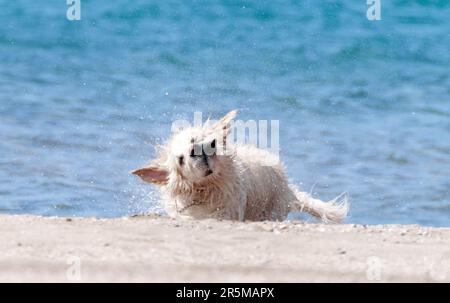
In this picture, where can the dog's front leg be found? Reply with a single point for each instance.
(242, 205)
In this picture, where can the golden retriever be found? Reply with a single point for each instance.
(202, 175)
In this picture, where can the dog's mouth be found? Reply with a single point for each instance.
(206, 161)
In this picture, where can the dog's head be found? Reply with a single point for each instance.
(195, 154)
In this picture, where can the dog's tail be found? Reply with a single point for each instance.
(333, 211)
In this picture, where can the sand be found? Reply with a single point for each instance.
(159, 249)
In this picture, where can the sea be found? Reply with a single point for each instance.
(363, 102)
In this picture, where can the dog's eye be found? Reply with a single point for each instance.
(213, 144)
(181, 160)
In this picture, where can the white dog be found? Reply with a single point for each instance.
(201, 175)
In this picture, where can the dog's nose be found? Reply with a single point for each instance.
(209, 148)
(204, 157)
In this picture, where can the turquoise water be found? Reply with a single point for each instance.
(363, 106)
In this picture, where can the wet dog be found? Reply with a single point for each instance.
(202, 175)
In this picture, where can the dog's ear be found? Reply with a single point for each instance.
(153, 174)
(224, 123)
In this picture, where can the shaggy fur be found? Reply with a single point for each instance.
(201, 175)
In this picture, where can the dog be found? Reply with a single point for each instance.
(197, 181)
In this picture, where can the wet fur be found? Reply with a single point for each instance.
(241, 186)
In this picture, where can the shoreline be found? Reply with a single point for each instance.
(160, 249)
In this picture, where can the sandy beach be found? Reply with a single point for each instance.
(159, 249)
